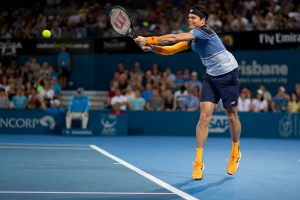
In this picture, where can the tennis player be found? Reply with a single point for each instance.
(221, 79)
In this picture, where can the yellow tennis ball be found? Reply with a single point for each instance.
(46, 33)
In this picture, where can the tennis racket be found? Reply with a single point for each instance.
(121, 23)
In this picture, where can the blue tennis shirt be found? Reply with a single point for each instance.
(212, 52)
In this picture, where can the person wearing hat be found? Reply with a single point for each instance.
(78, 109)
(220, 82)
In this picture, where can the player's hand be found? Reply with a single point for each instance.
(141, 41)
(146, 48)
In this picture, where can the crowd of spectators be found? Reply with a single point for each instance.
(33, 85)
(81, 19)
(157, 89)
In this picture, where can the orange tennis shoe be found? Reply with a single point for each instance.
(234, 162)
(198, 170)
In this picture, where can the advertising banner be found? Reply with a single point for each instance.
(19, 121)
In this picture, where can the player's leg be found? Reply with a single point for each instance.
(207, 105)
(229, 90)
(235, 131)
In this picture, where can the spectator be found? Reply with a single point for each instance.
(4, 101)
(34, 100)
(190, 102)
(64, 67)
(116, 109)
(259, 104)
(180, 96)
(55, 107)
(280, 101)
(156, 102)
(244, 104)
(137, 102)
(267, 95)
(47, 93)
(148, 92)
(19, 100)
(169, 100)
(9, 52)
(179, 79)
(121, 99)
(194, 82)
(293, 105)
(129, 93)
(78, 109)
(55, 86)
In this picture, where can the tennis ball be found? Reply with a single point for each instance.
(46, 33)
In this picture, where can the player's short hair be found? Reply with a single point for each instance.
(200, 11)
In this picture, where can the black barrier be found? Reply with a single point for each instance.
(123, 45)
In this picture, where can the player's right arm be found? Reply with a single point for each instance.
(169, 50)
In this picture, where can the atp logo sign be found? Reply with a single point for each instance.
(108, 125)
(218, 124)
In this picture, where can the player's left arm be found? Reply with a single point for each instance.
(164, 39)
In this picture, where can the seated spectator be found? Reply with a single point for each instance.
(259, 104)
(121, 99)
(156, 102)
(47, 93)
(5, 84)
(19, 100)
(293, 104)
(148, 92)
(280, 101)
(34, 100)
(55, 86)
(4, 101)
(190, 102)
(138, 102)
(169, 100)
(78, 109)
(179, 80)
(116, 109)
(129, 92)
(194, 82)
(186, 74)
(179, 97)
(244, 104)
(55, 107)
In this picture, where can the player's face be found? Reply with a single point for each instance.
(195, 21)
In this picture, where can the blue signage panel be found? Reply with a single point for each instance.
(19, 121)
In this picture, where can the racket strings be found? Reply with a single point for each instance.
(114, 15)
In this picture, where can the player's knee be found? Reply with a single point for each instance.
(204, 119)
(232, 117)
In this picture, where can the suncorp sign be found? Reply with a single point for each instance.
(20, 122)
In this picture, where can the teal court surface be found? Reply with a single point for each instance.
(89, 168)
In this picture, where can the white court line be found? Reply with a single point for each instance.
(52, 148)
(85, 193)
(39, 144)
(145, 174)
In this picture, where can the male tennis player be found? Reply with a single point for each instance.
(221, 80)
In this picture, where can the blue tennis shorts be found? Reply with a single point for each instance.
(225, 87)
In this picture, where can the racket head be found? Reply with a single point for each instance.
(120, 22)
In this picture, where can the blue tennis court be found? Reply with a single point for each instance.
(57, 167)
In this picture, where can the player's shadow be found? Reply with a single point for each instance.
(199, 188)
